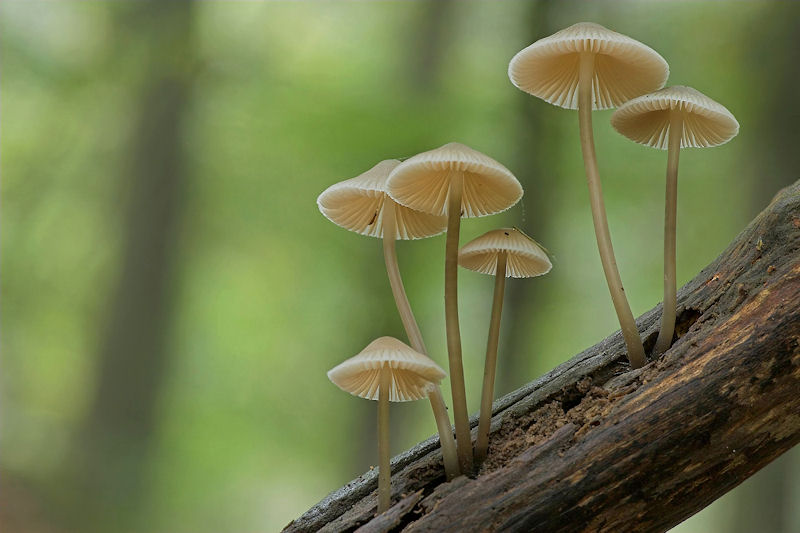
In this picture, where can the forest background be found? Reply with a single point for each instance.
(172, 298)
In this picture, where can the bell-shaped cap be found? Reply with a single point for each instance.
(624, 68)
(422, 182)
(357, 204)
(646, 119)
(525, 258)
(412, 372)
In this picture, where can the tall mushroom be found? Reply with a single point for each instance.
(585, 67)
(502, 253)
(456, 181)
(361, 205)
(388, 370)
(670, 119)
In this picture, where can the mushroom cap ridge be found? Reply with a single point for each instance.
(357, 204)
(412, 372)
(422, 182)
(624, 67)
(645, 119)
(525, 258)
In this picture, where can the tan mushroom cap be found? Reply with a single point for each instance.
(624, 67)
(412, 372)
(357, 205)
(525, 258)
(646, 119)
(422, 182)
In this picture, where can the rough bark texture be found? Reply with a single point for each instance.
(595, 446)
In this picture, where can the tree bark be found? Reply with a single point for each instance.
(596, 446)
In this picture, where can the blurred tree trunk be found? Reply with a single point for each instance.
(534, 163)
(779, 78)
(428, 43)
(114, 445)
(763, 503)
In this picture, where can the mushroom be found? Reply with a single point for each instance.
(388, 370)
(669, 119)
(585, 67)
(456, 181)
(502, 252)
(361, 205)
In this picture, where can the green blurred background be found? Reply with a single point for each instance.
(172, 298)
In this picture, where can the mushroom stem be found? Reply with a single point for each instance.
(415, 336)
(449, 454)
(384, 469)
(463, 439)
(628, 325)
(393, 270)
(664, 340)
(487, 394)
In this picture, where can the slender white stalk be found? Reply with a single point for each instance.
(463, 439)
(384, 469)
(664, 340)
(393, 270)
(449, 454)
(626, 321)
(487, 394)
(415, 336)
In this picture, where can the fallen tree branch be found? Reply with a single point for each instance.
(595, 446)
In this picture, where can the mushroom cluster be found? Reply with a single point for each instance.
(422, 197)
(586, 67)
(583, 67)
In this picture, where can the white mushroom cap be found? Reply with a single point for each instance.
(525, 258)
(646, 119)
(412, 372)
(422, 182)
(624, 68)
(357, 205)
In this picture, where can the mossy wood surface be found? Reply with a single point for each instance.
(595, 446)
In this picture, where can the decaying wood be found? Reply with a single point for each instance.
(595, 446)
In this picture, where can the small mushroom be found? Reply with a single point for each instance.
(361, 205)
(502, 252)
(585, 67)
(670, 119)
(388, 370)
(456, 181)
